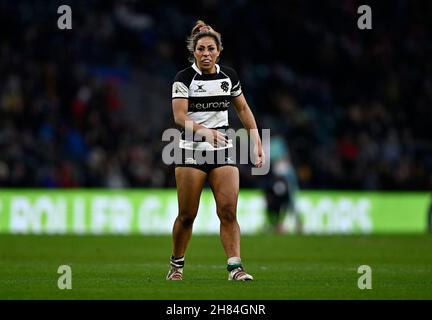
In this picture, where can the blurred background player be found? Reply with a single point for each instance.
(281, 188)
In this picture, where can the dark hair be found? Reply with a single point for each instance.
(199, 30)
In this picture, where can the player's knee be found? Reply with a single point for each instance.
(186, 220)
(227, 213)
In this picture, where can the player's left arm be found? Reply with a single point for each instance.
(248, 120)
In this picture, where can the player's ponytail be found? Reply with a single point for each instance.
(199, 30)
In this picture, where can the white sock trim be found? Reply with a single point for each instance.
(234, 260)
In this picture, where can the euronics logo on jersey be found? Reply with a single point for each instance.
(211, 105)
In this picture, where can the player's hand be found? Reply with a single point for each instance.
(216, 138)
(259, 155)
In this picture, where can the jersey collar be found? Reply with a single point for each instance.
(195, 67)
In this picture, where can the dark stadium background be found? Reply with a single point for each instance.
(82, 182)
(86, 107)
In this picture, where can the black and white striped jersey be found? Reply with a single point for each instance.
(209, 97)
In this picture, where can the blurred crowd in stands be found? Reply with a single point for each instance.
(87, 107)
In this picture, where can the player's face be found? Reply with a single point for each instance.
(206, 53)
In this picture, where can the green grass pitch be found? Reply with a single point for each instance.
(284, 267)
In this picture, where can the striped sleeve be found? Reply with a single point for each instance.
(179, 87)
(236, 89)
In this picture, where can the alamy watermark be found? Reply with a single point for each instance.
(365, 20)
(195, 147)
(65, 20)
(365, 281)
(65, 280)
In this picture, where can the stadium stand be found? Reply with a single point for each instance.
(86, 107)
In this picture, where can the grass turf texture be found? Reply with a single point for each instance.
(284, 267)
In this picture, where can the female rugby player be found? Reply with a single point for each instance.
(201, 96)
